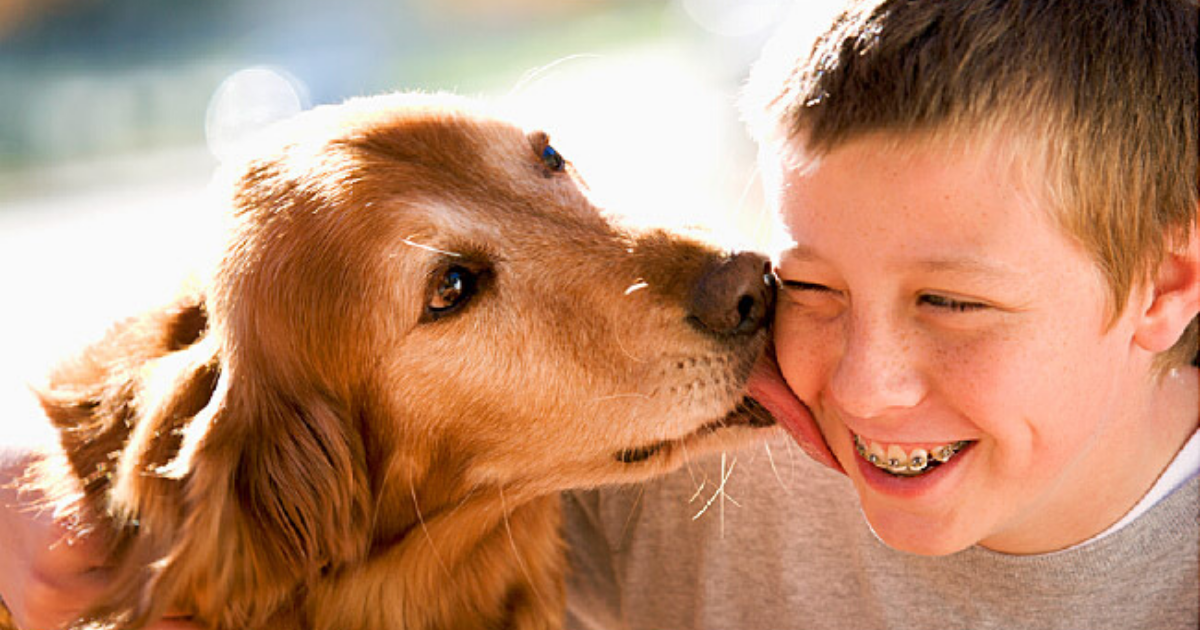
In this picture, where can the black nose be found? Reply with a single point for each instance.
(735, 297)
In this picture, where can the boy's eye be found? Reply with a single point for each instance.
(805, 286)
(949, 304)
(815, 299)
(934, 300)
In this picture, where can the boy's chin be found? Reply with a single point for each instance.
(918, 535)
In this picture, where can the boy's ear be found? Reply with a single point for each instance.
(1174, 298)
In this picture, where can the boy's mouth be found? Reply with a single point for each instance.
(903, 462)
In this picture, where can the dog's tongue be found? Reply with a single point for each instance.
(768, 388)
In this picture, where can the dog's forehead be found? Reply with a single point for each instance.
(454, 118)
(445, 226)
(448, 170)
(463, 164)
(403, 127)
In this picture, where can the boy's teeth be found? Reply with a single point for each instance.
(943, 453)
(875, 454)
(918, 460)
(894, 460)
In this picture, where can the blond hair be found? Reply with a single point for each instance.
(1105, 89)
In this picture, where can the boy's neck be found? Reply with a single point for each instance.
(1176, 411)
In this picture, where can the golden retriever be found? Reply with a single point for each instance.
(419, 330)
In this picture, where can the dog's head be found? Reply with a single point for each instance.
(444, 276)
(417, 301)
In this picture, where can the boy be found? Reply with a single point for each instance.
(989, 308)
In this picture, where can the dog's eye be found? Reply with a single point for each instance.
(552, 159)
(452, 288)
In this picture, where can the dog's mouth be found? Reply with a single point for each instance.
(748, 413)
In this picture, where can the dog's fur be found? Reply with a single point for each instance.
(323, 437)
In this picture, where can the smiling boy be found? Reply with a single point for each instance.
(988, 307)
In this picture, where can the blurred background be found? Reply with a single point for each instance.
(114, 113)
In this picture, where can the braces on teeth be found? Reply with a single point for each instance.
(897, 462)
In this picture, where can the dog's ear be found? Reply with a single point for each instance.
(300, 477)
(274, 491)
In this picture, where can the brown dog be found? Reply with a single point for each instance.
(420, 329)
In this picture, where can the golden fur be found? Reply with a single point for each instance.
(419, 331)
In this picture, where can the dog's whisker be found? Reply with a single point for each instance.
(425, 529)
(467, 496)
(725, 495)
(626, 350)
(720, 493)
(512, 541)
(430, 248)
(687, 462)
(379, 497)
(691, 466)
(762, 225)
(774, 470)
(633, 509)
(791, 448)
(536, 73)
(750, 180)
(637, 286)
(617, 396)
(691, 471)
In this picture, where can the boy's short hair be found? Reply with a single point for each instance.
(1102, 94)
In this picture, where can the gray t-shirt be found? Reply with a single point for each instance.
(784, 545)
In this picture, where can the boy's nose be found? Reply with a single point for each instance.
(735, 297)
(877, 371)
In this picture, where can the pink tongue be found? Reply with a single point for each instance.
(768, 388)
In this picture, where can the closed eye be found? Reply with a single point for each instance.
(942, 302)
(816, 300)
(933, 300)
(805, 286)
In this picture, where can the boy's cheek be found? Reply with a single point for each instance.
(803, 348)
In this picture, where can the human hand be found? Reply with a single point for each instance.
(51, 570)
(768, 387)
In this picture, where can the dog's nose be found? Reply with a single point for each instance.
(734, 298)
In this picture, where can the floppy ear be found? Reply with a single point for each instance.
(274, 490)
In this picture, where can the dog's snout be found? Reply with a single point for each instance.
(735, 297)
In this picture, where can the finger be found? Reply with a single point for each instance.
(64, 542)
(51, 568)
(74, 547)
(45, 603)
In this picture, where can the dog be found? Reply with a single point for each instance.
(419, 330)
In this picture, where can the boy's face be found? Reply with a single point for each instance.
(930, 304)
